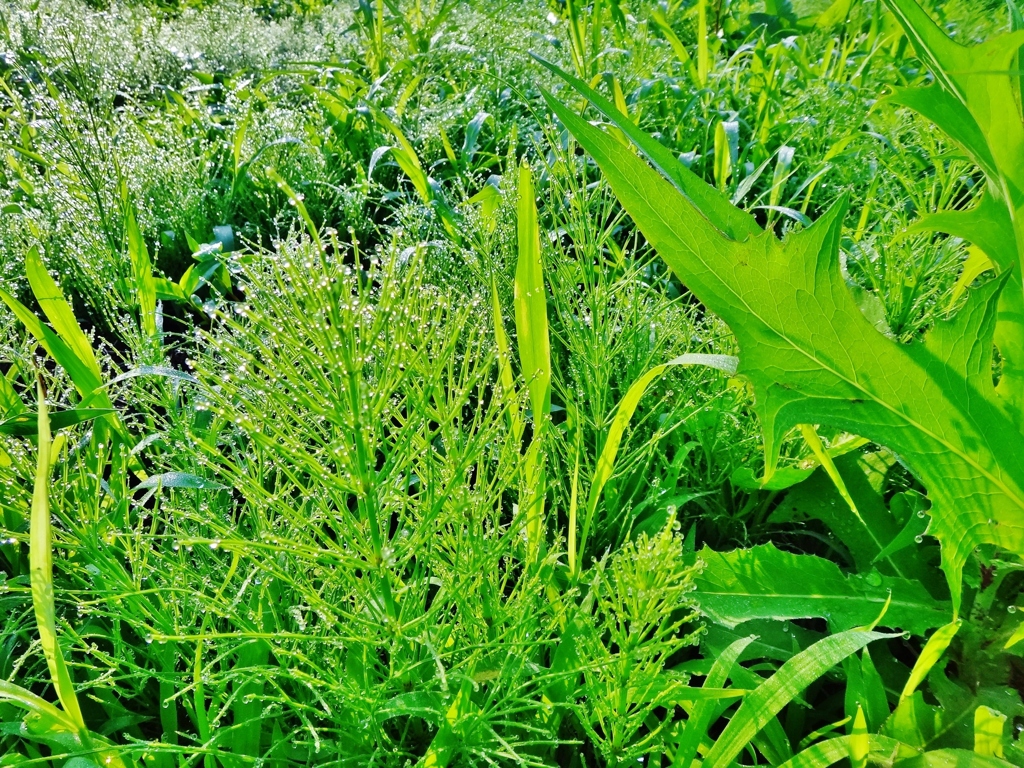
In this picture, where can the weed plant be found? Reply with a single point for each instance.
(356, 410)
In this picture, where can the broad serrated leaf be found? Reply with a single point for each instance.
(813, 358)
(975, 100)
(766, 583)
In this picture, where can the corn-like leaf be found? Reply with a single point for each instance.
(954, 758)
(930, 655)
(703, 53)
(25, 424)
(1016, 637)
(142, 270)
(58, 311)
(813, 358)
(881, 749)
(10, 402)
(296, 200)
(41, 567)
(700, 717)
(860, 742)
(835, 14)
(85, 381)
(763, 704)
(988, 731)
(534, 347)
(37, 706)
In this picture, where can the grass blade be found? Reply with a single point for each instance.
(142, 270)
(534, 349)
(58, 311)
(41, 567)
(626, 408)
(700, 717)
(930, 654)
(761, 706)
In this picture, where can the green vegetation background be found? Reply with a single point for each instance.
(345, 509)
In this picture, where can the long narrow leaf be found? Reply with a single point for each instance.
(58, 311)
(41, 567)
(142, 270)
(700, 717)
(759, 707)
(534, 350)
(624, 412)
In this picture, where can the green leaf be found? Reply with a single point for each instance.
(831, 751)
(834, 15)
(943, 108)
(976, 101)
(81, 367)
(876, 704)
(988, 731)
(25, 424)
(10, 402)
(624, 412)
(41, 571)
(1016, 637)
(972, 76)
(505, 376)
(700, 717)
(763, 704)
(860, 743)
(930, 655)
(868, 534)
(142, 270)
(950, 723)
(775, 639)
(37, 706)
(296, 200)
(58, 311)
(954, 758)
(767, 583)
(813, 358)
(530, 299)
(977, 264)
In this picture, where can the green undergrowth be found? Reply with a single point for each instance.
(434, 383)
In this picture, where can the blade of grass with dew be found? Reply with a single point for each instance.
(624, 412)
(41, 565)
(930, 655)
(761, 706)
(699, 719)
(142, 271)
(534, 350)
(296, 200)
(831, 751)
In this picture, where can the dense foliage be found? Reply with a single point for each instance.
(437, 383)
